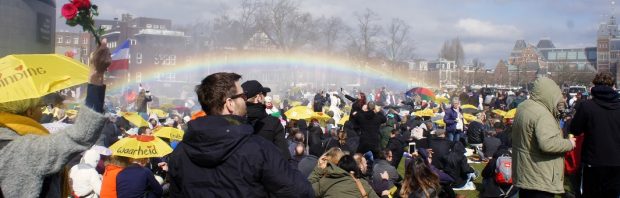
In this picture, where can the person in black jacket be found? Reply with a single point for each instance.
(266, 126)
(219, 155)
(369, 122)
(475, 137)
(319, 102)
(439, 146)
(455, 165)
(396, 144)
(597, 119)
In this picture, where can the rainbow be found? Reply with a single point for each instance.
(216, 62)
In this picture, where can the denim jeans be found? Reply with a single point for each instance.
(455, 135)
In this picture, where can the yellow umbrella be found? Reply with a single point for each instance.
(170, 133)
(442, 100)
(499, 112)
(343, 120)
(510, 114)
(135, 119)
(35, 75)
(160, 113)
(320, 116)
(140, 146)
(468, 106)
(299, 113)
(469, 117)
(425, 112)
(440, 123)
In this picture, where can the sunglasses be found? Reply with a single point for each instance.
(241, 95)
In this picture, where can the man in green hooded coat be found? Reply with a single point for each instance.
(538, 143)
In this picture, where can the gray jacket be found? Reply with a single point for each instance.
(26, 160)
(382, 166)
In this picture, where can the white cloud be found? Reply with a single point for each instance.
(483, 29)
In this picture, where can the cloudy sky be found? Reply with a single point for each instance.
(487, 28)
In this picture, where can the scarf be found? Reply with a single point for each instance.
(22, 125)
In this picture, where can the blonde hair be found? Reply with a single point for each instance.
(20, 106)
(333, 155)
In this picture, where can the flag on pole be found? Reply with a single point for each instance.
(120, 57)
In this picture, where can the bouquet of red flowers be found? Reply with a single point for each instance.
(81, 12)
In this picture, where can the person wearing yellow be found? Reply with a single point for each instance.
(31, 158)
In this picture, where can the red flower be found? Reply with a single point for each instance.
(81, 4)
(69, 11)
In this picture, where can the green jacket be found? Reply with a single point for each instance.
(333, 181)
(538, 143)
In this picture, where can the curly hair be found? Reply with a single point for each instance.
(604, 78)
(214, 89)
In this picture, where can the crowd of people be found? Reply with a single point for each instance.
(242, 144)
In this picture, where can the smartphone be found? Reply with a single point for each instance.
(412, 147)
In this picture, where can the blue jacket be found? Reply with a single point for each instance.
(220, 157)
(451, 119)
(134, 181)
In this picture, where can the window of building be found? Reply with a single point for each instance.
(139, 77)
(155, 26)
(59, 39)
(76, 40)
(166, 60)
(85, 41)
(133, 41)
(149, 26)
(68, 40)
(173, 60)
(171, 76)
(139, 58)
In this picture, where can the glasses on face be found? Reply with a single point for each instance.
(241, 95)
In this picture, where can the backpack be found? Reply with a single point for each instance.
(503, 170)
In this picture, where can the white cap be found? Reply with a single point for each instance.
(268, 99)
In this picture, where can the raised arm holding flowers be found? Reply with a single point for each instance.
(81, 12)
(29, 155)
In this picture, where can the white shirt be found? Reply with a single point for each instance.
(459, 120)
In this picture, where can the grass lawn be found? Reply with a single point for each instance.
(468, 193)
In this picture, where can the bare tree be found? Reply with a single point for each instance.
(368, 31)
(332, 30)
(477, 63)
(453, 50)
(248, 20)
(399, 45)
(226, 33)
(284, 25)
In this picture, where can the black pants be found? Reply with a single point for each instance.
(601, 181)
(524, 193)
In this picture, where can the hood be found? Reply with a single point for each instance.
(606, 97)
(424, 155)
(210, 140)
(333, 171)
(256, 111)
(547, 93)
(91, 158)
